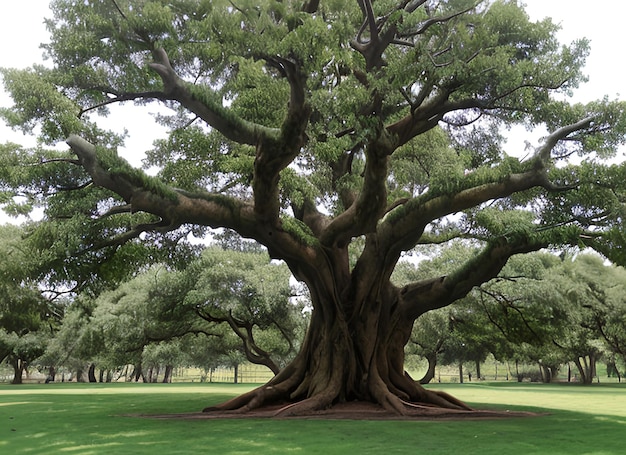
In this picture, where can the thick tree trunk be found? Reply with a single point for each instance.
(356, 358)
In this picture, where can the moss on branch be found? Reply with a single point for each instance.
(225, 120)
(452, 185)
(228, 202)
(299, 231)
(116, 166)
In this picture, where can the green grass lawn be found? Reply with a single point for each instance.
(93, 419)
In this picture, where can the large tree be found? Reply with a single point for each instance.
(337, 134)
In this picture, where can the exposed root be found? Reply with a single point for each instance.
(254, 399)
(283, 401)
(240, 403)
(353, 410)
(305, 407)
(432, 410)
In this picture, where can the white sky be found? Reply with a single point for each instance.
(601, 21)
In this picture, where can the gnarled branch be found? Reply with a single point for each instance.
(423, 296)
(203, 102)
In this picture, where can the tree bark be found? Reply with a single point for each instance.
(347, 356)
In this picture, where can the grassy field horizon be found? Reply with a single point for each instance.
(102, 418)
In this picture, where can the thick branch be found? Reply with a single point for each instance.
(275, 153)
(403, 227)
(373, 48)
(361, 217)
(543, 154)
(177, 207)
(427, 115)
(275, 148)
(424, 117)
(405, 224)
(148, 194)
(203, 102)
(423, 296)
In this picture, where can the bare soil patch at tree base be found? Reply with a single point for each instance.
(354, 410)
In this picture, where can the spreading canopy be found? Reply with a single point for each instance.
(339, 135)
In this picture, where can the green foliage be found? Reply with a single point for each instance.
(22, 308)
(300, 231)
(256, 93)
(38, 101)
(428, 101)
(542, 308)
(491, 58)
(248, 288)
(26, 317)
(156, 317)
(559, 309)
(117, 166)
(497, 222)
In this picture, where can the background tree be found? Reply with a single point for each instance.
(551, 311)
(27, 319)
(596, 302)
(74, 346)
(325, 131)
(249, 294)
(526, 313)
(429, 336)
(238, 301)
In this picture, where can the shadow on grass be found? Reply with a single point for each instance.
(92, 424)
